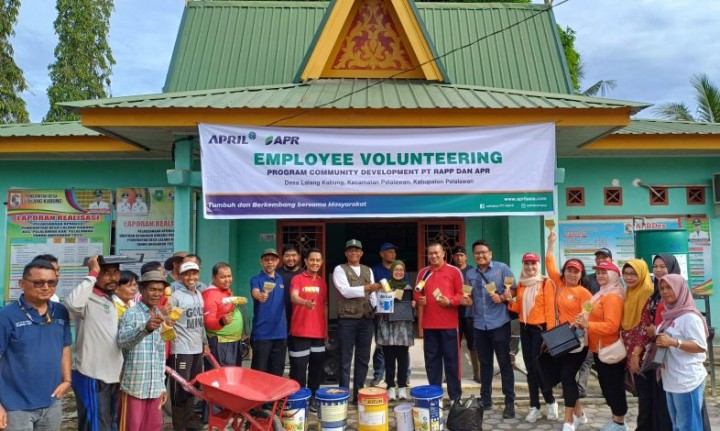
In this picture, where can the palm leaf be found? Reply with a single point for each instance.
(601, 87)
(673, 111)
(707, 97)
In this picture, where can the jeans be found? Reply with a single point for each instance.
(495, 341)
(355, 337)
(652, 403)
(47, 419)
(378, 361)
(685, 409)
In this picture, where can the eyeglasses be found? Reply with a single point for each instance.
(629, 274)
(39, 284)
(482, 252)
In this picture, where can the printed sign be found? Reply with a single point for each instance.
(255, 172)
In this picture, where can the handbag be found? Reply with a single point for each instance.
(403, 312)
(630, 382)
(613, 353)
(561, 340)
(653, 358)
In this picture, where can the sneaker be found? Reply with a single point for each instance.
(313, 405)
(487, 405)
(509, 411)
(582, 420)
(613, 426)
(376, 381)
(533, 415)
(552, 411)
(391, 394)
(568, 427)
(402, 394)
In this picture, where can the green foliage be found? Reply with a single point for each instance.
(707, 98)
(574, 63)
(83, 58)
(12, 82)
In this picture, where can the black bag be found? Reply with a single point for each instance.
(548, 371)
(561, 339)
(465, 415)
(403, 312)
(654, 357)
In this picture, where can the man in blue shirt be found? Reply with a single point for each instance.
(34, 353)
(269, 331)
(491, 323)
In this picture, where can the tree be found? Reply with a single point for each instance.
(707, 98)
(83, 58)
(12, 82)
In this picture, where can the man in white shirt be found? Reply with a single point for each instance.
(139, 207)
(356, 294)
(698, 233)
(98, 204)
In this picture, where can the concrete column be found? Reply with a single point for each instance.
(183, 195)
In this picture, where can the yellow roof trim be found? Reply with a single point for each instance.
(336, 31)
(387, 117)
(64, 144)
(655, 142)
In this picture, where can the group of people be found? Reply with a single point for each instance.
(129, 327)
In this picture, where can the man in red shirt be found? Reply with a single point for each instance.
(441, 295)
(308, 325)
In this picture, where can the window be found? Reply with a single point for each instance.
(695, 195)
(613, 196)
(575, 196)
(658, 195)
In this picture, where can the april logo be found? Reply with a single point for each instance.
(282, 140)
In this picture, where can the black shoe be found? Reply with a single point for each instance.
(313, 405)
(487, 405)
(582, 394)
(509, 411)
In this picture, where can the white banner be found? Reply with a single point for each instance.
(257, 172)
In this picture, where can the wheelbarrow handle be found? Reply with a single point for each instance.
(188, 386)
(211, 358)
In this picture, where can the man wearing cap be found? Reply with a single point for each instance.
(142, 386)
(269, 331)
(292, 266)
(601, 255)
(98, 359)
(465, 324)
(491, 323)
(356, 290)
(187, 348)
(441, 295)
(698, 233)
(34, 353)
(98, 204)
(186, 258)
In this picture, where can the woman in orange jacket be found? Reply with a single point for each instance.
(535, 306)
(603, 329)
(570, 297)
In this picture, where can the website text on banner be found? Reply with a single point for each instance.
(255, 172)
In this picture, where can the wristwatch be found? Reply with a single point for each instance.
(679, 343)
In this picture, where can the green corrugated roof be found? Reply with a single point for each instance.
(646, 126)
(228, 44)
(63, 128)
(363, 93)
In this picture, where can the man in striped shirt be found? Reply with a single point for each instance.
(142, 386)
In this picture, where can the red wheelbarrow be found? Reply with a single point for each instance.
(240, 393)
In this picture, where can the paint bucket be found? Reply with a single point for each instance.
(404, 417)
(332, 408)
(296, 411)
(386, 302)
(373, 409)
(426, 407)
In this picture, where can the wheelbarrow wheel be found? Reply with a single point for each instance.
(264, 416)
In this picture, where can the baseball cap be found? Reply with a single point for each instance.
(530, 257)
(154, 276)
(604, 251)
(187, 266)
(388, 246)
(269, 251)
(574, 264)
(353, 243)
(459, 249)
(608, 266)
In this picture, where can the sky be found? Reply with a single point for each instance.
(651, 48)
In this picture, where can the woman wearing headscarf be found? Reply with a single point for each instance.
(636, 317)
(603, 329)
(683, 332)
(570, 296)
(535, 305)
(396, 337)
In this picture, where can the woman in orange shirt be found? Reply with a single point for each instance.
(535, 305)
(571, 295)
(603, 328)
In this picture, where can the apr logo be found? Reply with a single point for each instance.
(282, 140)
(232, 139)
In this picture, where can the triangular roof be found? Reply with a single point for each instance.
(231, 44)
(372, 39)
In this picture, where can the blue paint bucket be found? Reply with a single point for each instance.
(426, 407)
(296, 410)
(332, 408)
